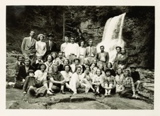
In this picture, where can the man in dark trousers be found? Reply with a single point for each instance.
(136, 77)
(51, 45)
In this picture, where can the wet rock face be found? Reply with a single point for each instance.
(68, 101)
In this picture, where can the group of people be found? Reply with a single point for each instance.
(42, 70)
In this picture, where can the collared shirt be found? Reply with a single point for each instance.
(91, 51)
(40, 76)
(72, 48)
(49, 66)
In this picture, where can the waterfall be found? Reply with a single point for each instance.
(112, 36)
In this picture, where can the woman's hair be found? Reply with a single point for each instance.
(80, 42)
(110, 64)
(48, 56)
(27, 59)
(118, 69)
(128, 71)
(54, 53)
(78, 67)
(77, 59)
(87, 66)
(20, 56)
(99, 69)
(68, 66)
(67, 60)
(38, 37)
(43, 65)
(108, 71)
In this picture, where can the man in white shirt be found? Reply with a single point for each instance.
(72, 50)
(64, 45)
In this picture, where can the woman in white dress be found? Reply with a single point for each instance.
(40, 46)
(75, 81)
(82, 52)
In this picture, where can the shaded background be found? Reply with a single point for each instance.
(83, 22)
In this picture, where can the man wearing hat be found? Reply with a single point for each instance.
(51, 46)
(28, 45)
(135, 76)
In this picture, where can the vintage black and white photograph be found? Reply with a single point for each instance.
(80, 57)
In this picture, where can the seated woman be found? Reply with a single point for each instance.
(67, 75)
(75, 64)
(36, 83)
(97, 81)
(41, 47)
(119, 80)
(22, 73)
(75, 81)
(101, 67)
(108, 83)
(18, 64)
(129, 89)
(86, 78)
(93, 68)
(109, 67)
(49, 64)
(66, 62)
(56, 81)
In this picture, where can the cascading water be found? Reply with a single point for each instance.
(112, 36)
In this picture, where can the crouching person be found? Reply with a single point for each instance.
(128, 83)
(108, 83)
(56, 81)
(37, 83)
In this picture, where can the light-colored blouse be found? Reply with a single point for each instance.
(41, 48)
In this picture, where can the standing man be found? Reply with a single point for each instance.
(118, 54)
(72, 50)
(28, 46)
(64, 45)
(51, 46)
(103, 56)
(91, 52)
